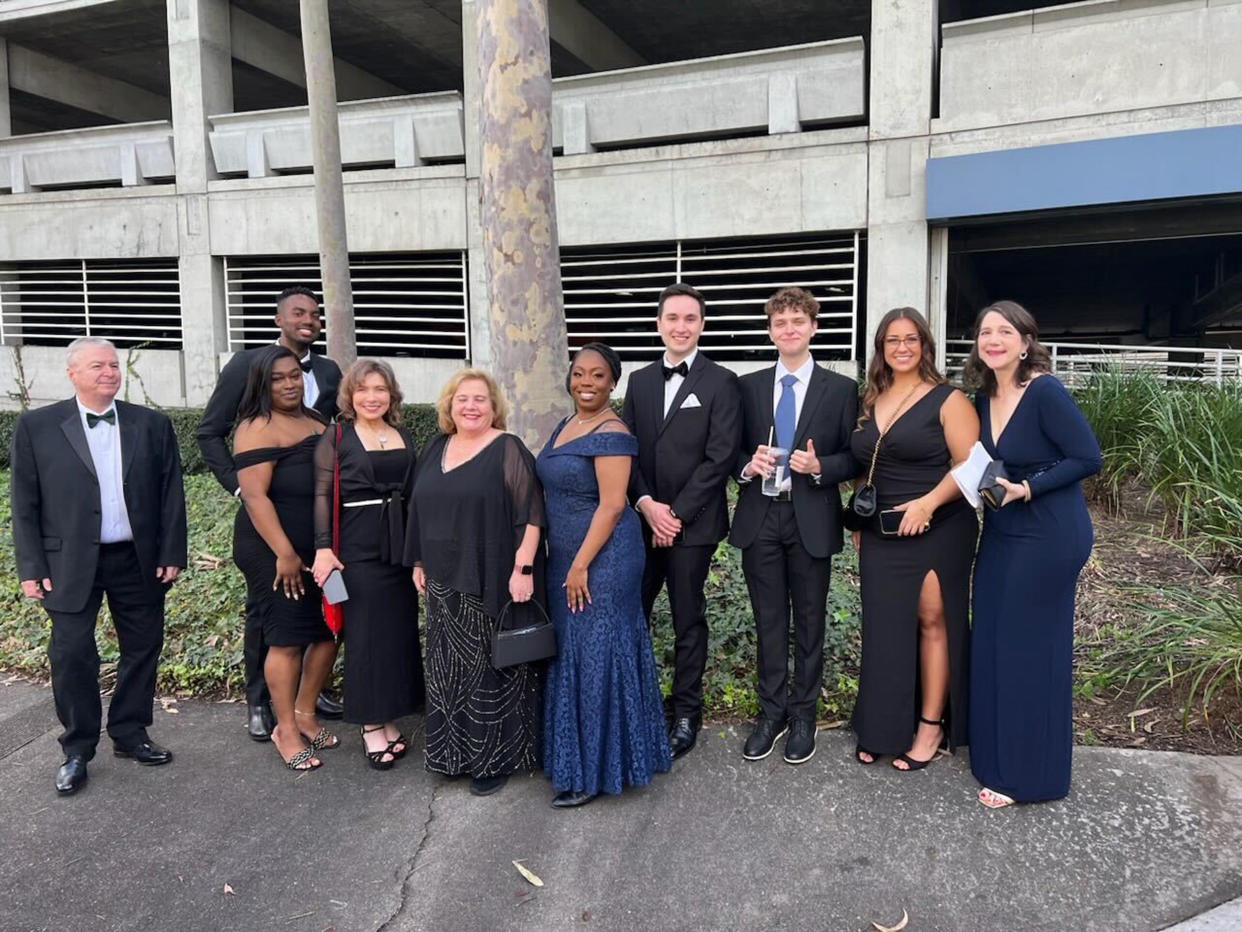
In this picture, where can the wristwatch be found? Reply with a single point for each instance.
(526, 569)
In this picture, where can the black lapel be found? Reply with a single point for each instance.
(325, 380)
(76, 434)
(687, 386)
(650, 380)
(767, 409)
(128, 425)
(814, 393)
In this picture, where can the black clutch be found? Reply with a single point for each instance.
(526, 644)
(991, 491)
(860, 509)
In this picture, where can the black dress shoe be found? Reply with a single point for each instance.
(147, 753)
(327, 707)
(683, 736)
(486, 786)
(71, 775)
(761, 741)
(569, 799)
(800, 747)
(258, 721)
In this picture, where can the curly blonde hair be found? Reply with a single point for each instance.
(444, 404)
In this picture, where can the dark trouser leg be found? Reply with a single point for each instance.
(808, 589)
(139, 623)
(75, 676)
(687, 574)
(654, 571)
(254, 653)
(763, 564)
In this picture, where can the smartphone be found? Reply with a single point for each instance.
(333, 587)
(890, 521)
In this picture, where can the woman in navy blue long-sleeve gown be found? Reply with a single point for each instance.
(603, 717)
(1026, 573)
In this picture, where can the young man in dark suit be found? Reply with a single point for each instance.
(98, 510)
(789, 535)
(685, 411)
(297, 317)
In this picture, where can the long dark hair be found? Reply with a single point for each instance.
(976, 374)
(256, 399)
(880, 374)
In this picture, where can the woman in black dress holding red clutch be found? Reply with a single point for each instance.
(914, 563)
(383, 664)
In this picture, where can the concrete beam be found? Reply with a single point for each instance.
(6, 122)
(263, 46)
(579, 32)
(53, 79)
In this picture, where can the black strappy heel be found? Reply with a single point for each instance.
(859, 750)
(376, 758)
(912, 764)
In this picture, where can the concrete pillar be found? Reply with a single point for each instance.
(527, 315)
(325, 131)
(476, 285)
(902, 58)
(6, 123)
(201, 78)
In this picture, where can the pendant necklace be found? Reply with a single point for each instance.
(587, 420)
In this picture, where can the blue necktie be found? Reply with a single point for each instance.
(783, 421)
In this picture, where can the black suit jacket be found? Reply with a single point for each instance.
(685, 459)
(220, 415)
(55, 499)
(828, 417)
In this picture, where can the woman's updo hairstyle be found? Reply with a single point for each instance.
(609, 355)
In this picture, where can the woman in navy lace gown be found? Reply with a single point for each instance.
(1026, 572)
(603, 718)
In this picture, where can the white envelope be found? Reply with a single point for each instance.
(968, 473)
(692, 401)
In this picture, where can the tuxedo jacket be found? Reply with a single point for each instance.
(685, 459)
(220, 415)
(56, 507)
(828, 417)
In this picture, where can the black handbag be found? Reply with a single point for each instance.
(862, 504)
(991, 491)
(530, 642)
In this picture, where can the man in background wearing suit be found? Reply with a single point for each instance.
(297, 317)
(98, 510)
(788, 538)
(685, 411)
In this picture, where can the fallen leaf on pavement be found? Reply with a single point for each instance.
(905, 919)
(530, 876)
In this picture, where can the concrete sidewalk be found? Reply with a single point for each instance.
(1145, 840)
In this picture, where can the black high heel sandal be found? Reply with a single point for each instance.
(859, 750)
(376, 758)
(912, 764)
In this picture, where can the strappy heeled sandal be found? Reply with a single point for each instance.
(995, 800)
(401, 740)
(323, 739)
(376, 758)
(859, 751)
(912, 764)
(303, 757)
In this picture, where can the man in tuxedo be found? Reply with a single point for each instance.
(685, 411)
(299, 322)
(98, 510)
(788, 537)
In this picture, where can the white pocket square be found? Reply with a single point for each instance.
(692, 401)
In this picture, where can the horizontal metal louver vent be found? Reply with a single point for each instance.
(611, 292)
(132, 302)
(405, 304)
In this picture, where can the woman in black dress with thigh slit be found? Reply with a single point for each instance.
(383, 664)
(273, 539)
(916, 582)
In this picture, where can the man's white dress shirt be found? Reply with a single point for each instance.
(104, 440)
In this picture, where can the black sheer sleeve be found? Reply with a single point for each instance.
(525, 493)
(325, 461)
(413, 542)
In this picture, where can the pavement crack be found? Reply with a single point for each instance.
(411, 866)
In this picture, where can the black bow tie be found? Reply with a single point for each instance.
(109, 416)
(305, 364)
(680, 369)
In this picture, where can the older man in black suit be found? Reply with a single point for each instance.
(98, 510)
(299, 322)
(686, 413)
(789, 531)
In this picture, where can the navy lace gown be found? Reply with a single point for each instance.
(1026, 573)
(603, 718)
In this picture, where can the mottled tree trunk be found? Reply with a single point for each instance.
(526, 313)
(325, 132)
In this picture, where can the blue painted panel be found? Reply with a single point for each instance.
(1185, 163)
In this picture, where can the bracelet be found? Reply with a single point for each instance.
(1026, 485)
